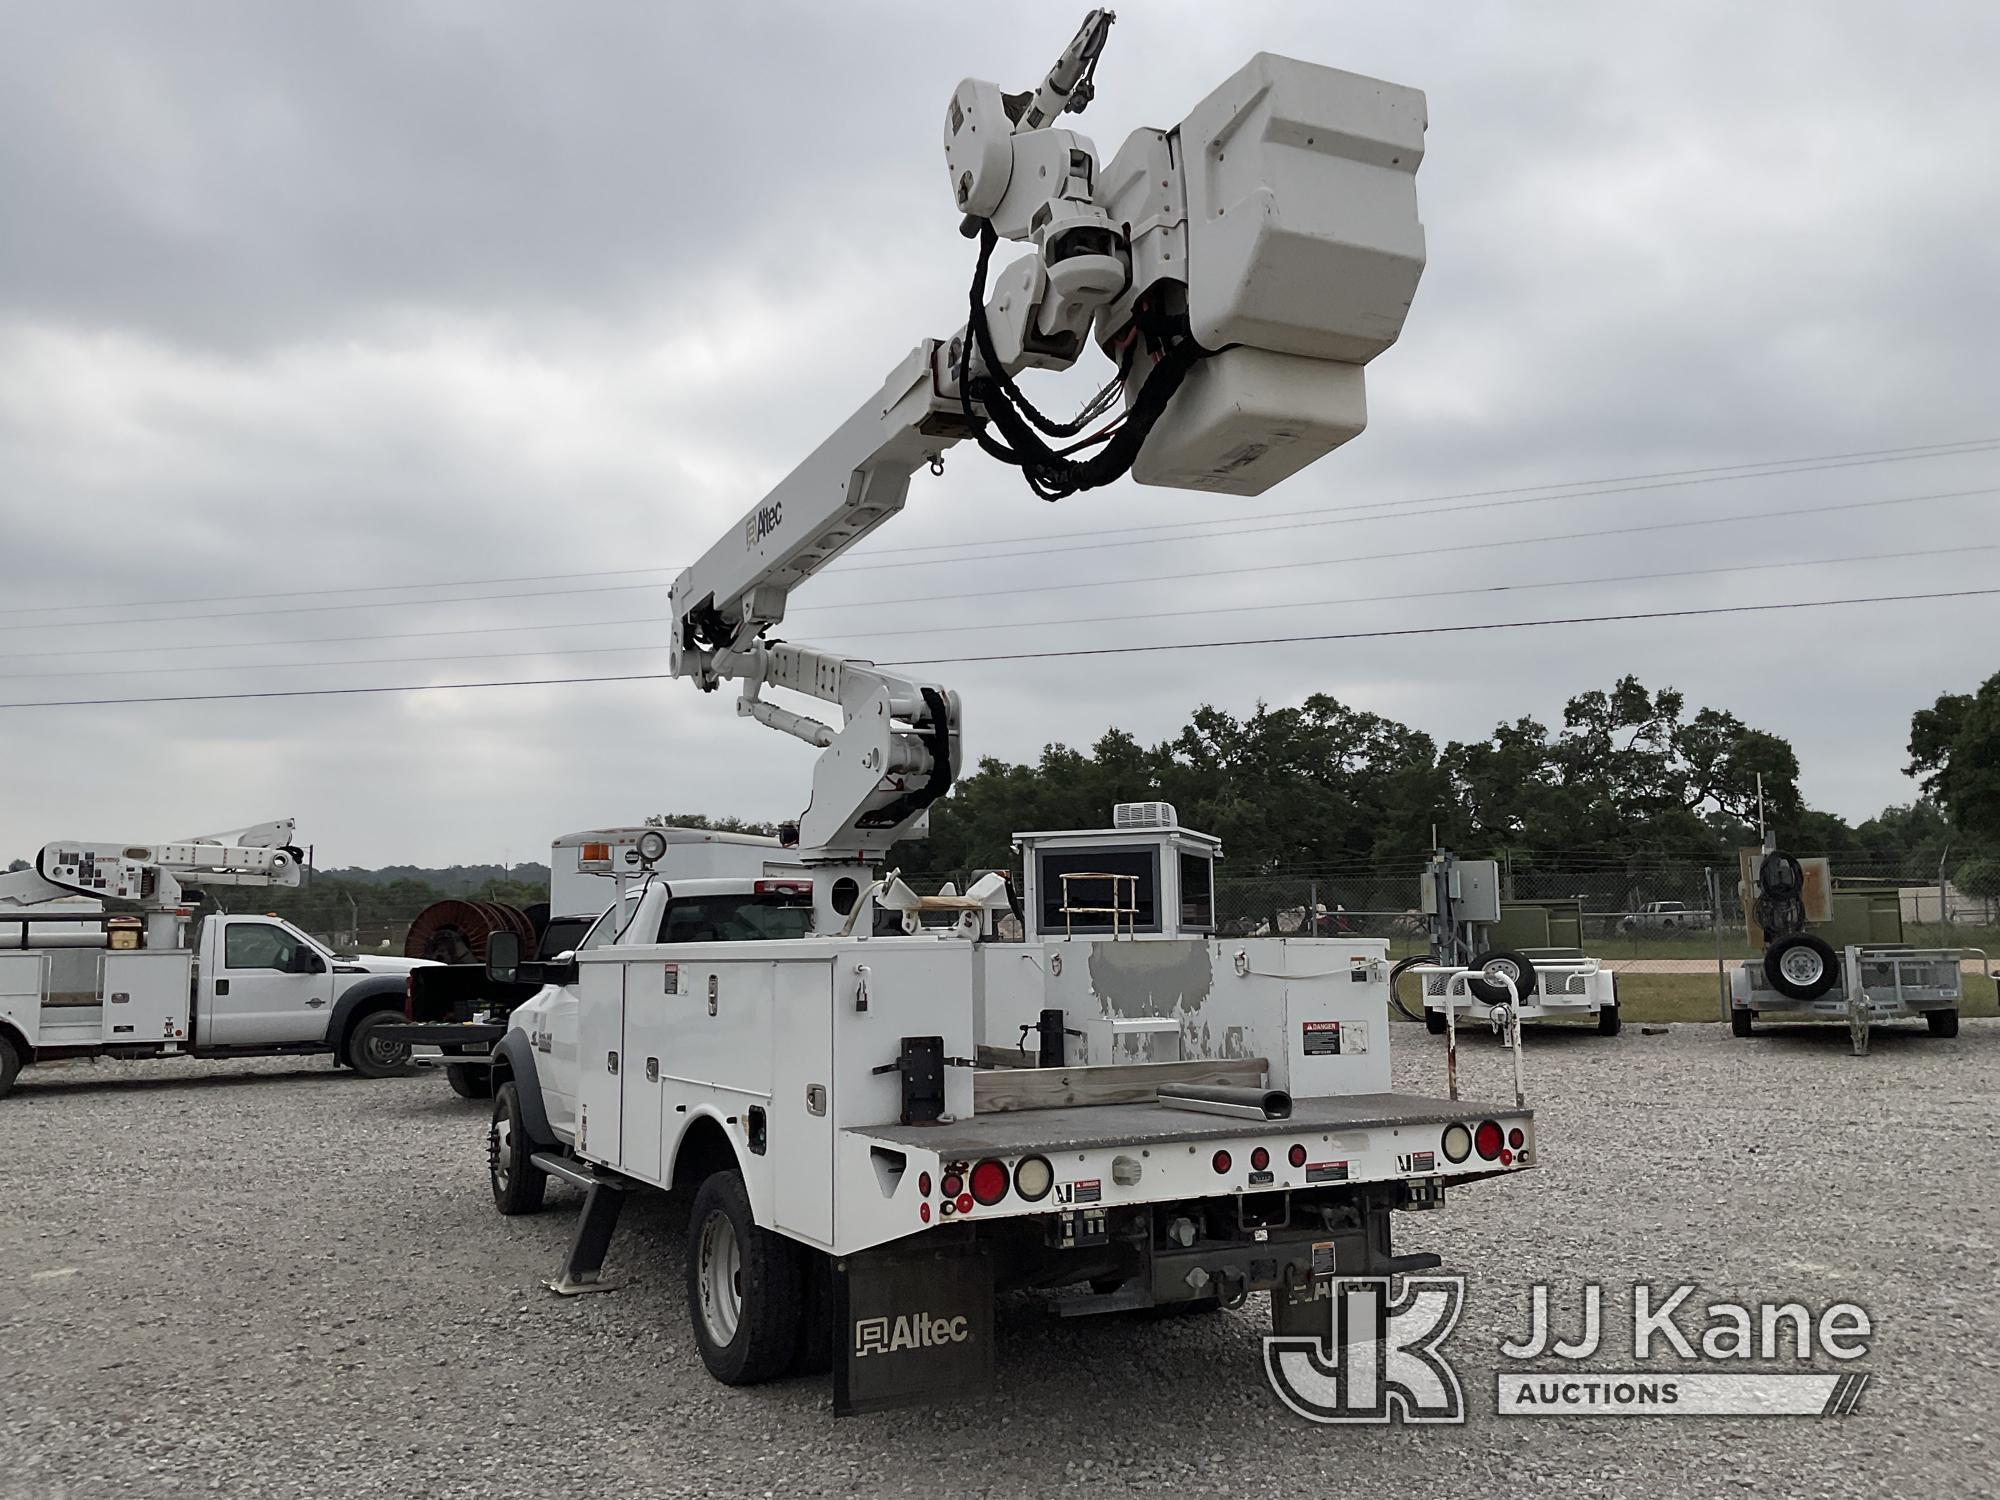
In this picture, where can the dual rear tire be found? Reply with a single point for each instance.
(761, 1305)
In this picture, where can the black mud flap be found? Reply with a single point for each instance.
(914, 1327)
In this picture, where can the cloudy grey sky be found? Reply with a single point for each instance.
(297, 300)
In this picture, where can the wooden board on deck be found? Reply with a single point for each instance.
(1113, 1083)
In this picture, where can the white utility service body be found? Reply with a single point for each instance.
(77, 981)
(789, 1061)
(873, 1140)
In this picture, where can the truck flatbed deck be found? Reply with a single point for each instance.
(1097, 1126)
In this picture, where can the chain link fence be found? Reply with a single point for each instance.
(1626, 910)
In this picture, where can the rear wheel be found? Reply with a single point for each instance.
(373, 1055)
(743, 1286)
(1609, 1022)
(469, 1082)
(10, 1065)
(1942, 1022)
(1434, 1022)
(1741, 1021)
(518, 1184)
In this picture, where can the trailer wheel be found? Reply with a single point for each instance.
(373, 1055)
(518, 1184)
(1501, 962)
(743, 1286)
(469, 1082)
(1609, 1022)
(1941, 1023)
(1434, 1021)
(1741, 1021)
(10, 1064)
(1801, 966)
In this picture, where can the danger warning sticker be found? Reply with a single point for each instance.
(1322, 1038)
(1326, 1171)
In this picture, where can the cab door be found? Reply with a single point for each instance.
(266, 985)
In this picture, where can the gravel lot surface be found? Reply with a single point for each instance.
(271, 1279)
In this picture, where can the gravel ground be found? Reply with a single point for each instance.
(268, 1279)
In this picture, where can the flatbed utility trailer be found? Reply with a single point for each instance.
(1121, 1106)
(1560, 987)
(1802, 977)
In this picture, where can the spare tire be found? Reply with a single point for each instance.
(1801, 966)
(1505, 962)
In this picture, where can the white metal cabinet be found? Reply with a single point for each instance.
(600, 1046)
(146, 996)
(648, 1046)
(800, 1128)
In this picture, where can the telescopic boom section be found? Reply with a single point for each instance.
(1237, 270)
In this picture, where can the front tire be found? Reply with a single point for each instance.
(1941, 1023)
(744, 1286)
(374, 1056)
(10, 1065)
(1609, 1022)
(1741, 1022)
(1434, 1022)
(469, 1082)
(518, 1184)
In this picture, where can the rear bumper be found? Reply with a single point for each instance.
(456, 1041)
(1102, 1157)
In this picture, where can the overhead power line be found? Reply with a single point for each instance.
(1347, 514)
(1400, 596)
(1434, 550)
(1082, 651)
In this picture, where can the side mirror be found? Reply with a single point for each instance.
(503, 957)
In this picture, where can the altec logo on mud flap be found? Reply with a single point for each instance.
(761, 522)
(910, 1331)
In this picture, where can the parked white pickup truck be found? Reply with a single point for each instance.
(252, 986)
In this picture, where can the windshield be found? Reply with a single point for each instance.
(770, 916)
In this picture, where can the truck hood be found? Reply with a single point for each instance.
(373, 963)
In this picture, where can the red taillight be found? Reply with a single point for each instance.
(964, 1204)
(1506, 1158)
(989, 1183)
(1296, 1156)
(1517, 1138)
(1220, 1161)
(923, 1184)
(952, 1185)
(924, 1212)
(1487, 1139)
(1259, 1159)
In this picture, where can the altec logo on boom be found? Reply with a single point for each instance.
(762, 521)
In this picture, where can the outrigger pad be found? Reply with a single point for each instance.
(914, 1327)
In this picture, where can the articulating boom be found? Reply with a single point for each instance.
(1238, 270)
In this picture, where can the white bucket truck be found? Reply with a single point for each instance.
(882, 1111)
(77, 981)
